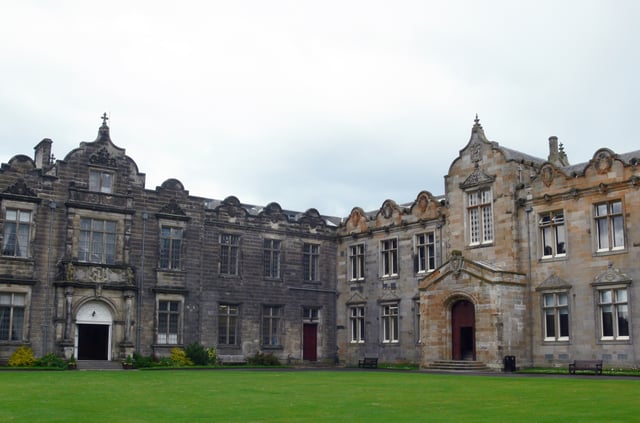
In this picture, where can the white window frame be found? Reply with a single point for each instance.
(356, 262)
(272, 254)
(229, 254)
(357, 323)
(10, 301)
(425, 251)
(171, 240)
(389, 257)
(555, 306)
(228, 317)
(609, 226)
(617, 305)
(169, 336)
(97, 244)
(101, 181)
(553, 235)
(480, 216)
(23, 230)
(311, 262)
(416, 321)
(271, 331)
(390, 323)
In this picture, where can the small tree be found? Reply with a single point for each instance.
(179, 357)
(197, 353)
(22, 357)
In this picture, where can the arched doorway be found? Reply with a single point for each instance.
(93, 332)
(463, 330)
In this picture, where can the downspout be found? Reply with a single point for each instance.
(529, 209)
(47, 312)
(145, 216)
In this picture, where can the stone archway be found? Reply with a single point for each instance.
(94, 323)
(463, 330)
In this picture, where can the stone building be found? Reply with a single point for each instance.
(521, 256)
(97, 266)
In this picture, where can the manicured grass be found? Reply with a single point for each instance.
(318, 396)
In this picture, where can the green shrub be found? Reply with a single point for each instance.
(179, 357)
(22, 357)
(140, 361)
(213, 355)
(197, 354)
(51, 360)
(260, 359)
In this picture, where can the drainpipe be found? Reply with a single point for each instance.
(145, 216)
(47, 310)
(529, 209)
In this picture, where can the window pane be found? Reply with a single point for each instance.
(618, 231)
(623, 320)
(607, 320)
(550, 323)
(564, 322)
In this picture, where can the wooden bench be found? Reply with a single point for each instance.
(368, 362)
(593, 365)
(229, 359)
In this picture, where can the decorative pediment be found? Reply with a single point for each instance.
(612, 276)
(356, 298)
(553, 282)
(312, 218)
(478, 177)
(172, 208)
(103, 158)
(273, 212)
(20, 188)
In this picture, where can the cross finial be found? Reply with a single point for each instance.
(104, 119)
(476, 120)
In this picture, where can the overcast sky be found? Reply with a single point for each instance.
(324, 104)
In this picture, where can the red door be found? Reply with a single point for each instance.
(463, 331)
(309, 342)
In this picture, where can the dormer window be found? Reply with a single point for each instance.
(100, 181)
(480, 215)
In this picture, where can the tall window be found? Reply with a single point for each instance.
(11, 316)
(389, 257)
(614, 313)
(311, 260)
(229, 254)
(100, 181)
(480, 214)
(356, 318)
(170, 243)
(272, 258)
(609, 226)
(271, 317)
(356, 262)
(390, 324)
(552, 234)
(168, 322)
(227, 324)
(556, 316)
(97, 241)
(17, 228)
(425, 252)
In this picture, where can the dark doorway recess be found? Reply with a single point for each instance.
(310, 342)
(93, 342)
(463, 331)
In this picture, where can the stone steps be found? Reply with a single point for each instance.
(98, 365)
(459, 366)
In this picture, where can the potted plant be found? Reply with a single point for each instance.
(127, 363)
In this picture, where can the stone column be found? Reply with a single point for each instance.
(68, 297)
(128, 299)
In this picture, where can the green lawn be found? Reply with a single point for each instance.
(318, 396)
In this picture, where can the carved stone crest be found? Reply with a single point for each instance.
(603, 162)
(456, 261)
(103, 157)
(547, 175)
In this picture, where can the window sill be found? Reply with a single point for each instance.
(610, 252)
